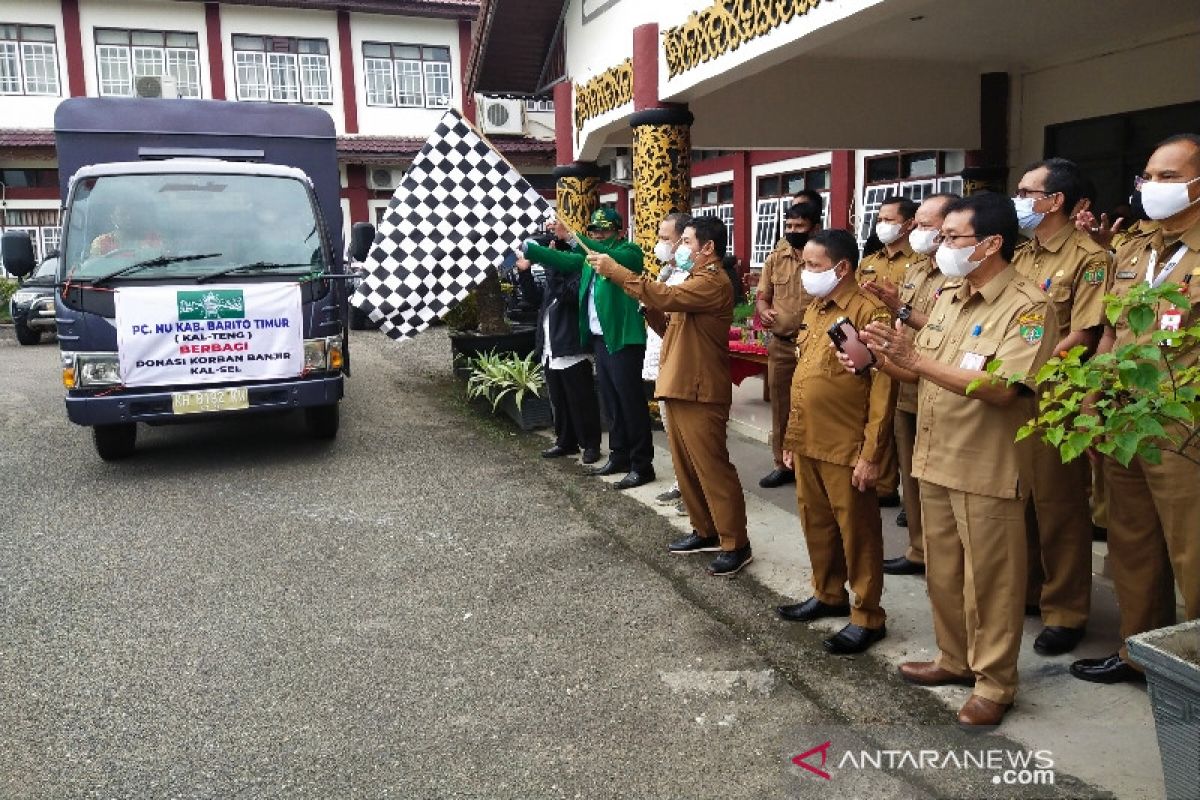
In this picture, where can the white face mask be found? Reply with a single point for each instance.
(887, 232)
(1163, 200)
(956, 261)
(819, 284)
(921, 240)
(662, 251)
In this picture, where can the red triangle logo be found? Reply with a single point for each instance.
(802, 760)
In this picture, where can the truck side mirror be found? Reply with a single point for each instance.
(362, 236)
(16, 250)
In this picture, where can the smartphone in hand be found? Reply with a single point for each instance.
(845, 339)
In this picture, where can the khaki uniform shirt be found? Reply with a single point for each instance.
(1074, 272)
(694, 361)
(922, 286)
(964, 443)
(881, 265)
(836, 416)
(781, 287)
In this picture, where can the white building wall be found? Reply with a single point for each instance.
(140, 15)
(34, 112)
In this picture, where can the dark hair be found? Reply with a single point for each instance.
(907, 206)
(840, 244)
(710, 229)
(1063, 175)
(992, 214)
(806, 211)
(729, 264)
(812, 197)
(679, 220)
(946, 197)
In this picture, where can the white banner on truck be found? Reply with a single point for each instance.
(197, 334)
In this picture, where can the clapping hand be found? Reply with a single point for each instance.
(887, 292)
(891, 342)
(1102, 232)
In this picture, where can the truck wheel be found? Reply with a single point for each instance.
(322, 421)
(114, 442)
(25, 335)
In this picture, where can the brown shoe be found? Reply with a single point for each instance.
(979, 713)
(928, 673)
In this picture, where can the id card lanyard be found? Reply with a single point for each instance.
(1155, 279)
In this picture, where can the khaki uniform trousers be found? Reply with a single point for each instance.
(1153, 531)
(905, 426)
(781, 365)
(1099, 497)
(844, 536)
(889, 469)
(1058, 534)
(708, 481)
(975, 572)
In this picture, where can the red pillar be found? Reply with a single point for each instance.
(216, 55)
(645, 66)
(73, 48)
(464, 55)
(841, 187)
(564, 123)
(349, 95)
(743, 213)
(357, 193)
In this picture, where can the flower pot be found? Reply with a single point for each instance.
(469, 344)
(1171, 659)
(534, 413)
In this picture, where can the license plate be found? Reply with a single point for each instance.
(208, 400)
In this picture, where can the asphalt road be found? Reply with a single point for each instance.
(420, 609)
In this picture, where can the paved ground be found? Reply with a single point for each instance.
(420, 609)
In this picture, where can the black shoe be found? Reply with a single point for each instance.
(730, 562)
(590, 455)
(609, 468)
(900, 565)
(811, 609)
(1055, 640)
(776, 478)
(889, 500)
(558, 451)
(694, 543)
(635, 479)
(1105, 670)
(902, 519)
(853, 639)
(1033, 611)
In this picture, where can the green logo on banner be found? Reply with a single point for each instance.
(212, 304)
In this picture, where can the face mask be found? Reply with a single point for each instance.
(1027, 218)
(887, 232)
(796, 239)
(662, 251)
(683, 258)
(921, 241)
(956, 261)
(819, 284)
(1163, 200)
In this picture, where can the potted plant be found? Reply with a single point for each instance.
(513, 383)
(1171, 658)
(478, 324)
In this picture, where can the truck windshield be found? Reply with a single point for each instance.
(141, 227)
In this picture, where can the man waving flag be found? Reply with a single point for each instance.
(460, 209)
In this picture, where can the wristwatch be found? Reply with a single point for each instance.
(904, 313)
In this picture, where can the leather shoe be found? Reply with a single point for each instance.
(889, 500)
(902, 519)
(853, 639)
(900, 565)
(776, 478)
(590, 455)
(1054, 640)
(609, 468)
(730, 562)
(980, 714)
(811, 609)
(635, 478)
(1033, 611)
(558, 451)
(1105, 670)
(694, 543)
(928, 673)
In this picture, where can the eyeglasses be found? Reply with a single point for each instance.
(1027, 193)
(941, 237)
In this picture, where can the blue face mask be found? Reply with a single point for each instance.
(1027, 218)
(683, 257)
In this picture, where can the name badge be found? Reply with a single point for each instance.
(972, 361)
(1126, 275)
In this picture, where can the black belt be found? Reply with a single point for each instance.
(789, 339)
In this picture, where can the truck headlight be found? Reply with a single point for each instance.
(94, 369)
(21, 298)
(324, 354)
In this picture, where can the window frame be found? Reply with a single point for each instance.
(277, 64)
(411, 79)
(173, 61)
(23, 52)
(916, 188)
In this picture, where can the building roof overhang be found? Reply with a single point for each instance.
(440, 9)
(513, 41)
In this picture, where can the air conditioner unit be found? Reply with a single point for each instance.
(621, 170)
(157, 86)
(502, 115)
(385, 179)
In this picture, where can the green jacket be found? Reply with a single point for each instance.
(618, 312)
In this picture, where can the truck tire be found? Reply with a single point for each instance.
(323, 421)
(114, 442)
(25, 335)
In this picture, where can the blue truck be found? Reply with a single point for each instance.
(201, 271)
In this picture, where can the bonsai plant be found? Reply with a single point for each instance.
(478, 324)
(514, 383)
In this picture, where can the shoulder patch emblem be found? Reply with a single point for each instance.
(1032, 326)
(1094, 276)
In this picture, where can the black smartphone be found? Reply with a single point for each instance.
(845, 339)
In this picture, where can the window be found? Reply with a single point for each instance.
(775, 194)
(915, 175)
(535, 105)
(41, 225)
(29, 178)
(282, 70)
(28, 60)
(123, 56)
(408, 75)
(716, 200)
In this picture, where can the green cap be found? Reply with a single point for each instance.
(605, 218)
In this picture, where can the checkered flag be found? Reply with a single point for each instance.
(460, 209)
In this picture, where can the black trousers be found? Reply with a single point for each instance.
(576, 414)
(620, 378)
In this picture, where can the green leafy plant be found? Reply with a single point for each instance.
(7, 287)
(1135, 401)
(497, 375)
(742, 313)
